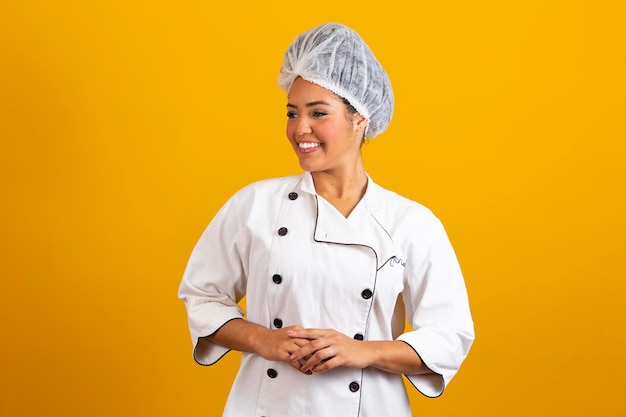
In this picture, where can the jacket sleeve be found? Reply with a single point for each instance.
(214, 281)
(437, 308)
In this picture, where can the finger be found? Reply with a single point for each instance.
(310, 348)
(301, 342)
(293, 345)
(318, 359)
(307, 333)
(325, 365)
(297, 365)
(303, 353)
(296, 352)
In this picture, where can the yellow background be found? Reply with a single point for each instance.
(125, 125)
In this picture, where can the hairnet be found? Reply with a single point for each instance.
(335, 57)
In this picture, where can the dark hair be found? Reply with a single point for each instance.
(352, 110)
(350, 107)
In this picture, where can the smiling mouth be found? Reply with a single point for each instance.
(309, 145)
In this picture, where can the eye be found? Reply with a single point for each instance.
(291, 115)
(319, 113)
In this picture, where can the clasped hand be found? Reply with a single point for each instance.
(315, 350)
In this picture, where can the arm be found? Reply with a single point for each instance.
(244, 336)
(328, 349)
(395, 356)
(215, 281)
(437, 309)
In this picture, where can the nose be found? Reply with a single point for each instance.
(303, 127)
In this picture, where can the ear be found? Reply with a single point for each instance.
(359, 122)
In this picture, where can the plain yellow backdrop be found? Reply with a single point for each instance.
(125, 125)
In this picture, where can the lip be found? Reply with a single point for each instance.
(308, 150)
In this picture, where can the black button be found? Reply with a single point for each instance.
(367, 294)
(273, 374)
(277, 279)
(354, 386)
(358, 336)
(293, 196)
(278, 323)
(282, 231)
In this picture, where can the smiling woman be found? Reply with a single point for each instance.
(125, 124)
(331, 264)
(325, 135)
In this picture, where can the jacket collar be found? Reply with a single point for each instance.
(364, 227)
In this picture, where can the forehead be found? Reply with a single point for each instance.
(302, 92)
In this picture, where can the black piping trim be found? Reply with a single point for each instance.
(425, 366)
(204, 337)
(317, 214)
(369, 312)
(388, 234)
(361, 392)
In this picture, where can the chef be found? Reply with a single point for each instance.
(332, 266)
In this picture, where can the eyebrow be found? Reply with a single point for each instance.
(311, 104)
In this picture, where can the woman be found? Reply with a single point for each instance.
(330, 263)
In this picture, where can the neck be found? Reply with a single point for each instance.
(342, 191)
(335, 186)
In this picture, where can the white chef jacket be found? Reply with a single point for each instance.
(299, 261)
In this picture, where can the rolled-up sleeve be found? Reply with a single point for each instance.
(437, 308)
(214, 281)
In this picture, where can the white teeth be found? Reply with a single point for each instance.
(309, 145)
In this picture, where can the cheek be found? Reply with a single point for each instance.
(326, 131)
(334, 133)
(289, 130)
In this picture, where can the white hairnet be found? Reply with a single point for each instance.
(335, 57)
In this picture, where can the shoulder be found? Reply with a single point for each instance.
(396, 204)
(260, 198)
(403, 218)
(266, 188)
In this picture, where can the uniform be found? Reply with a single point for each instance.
(299, 261)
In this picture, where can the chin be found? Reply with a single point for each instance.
(309, 167)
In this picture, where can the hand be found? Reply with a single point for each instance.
(278, 345)
(326, 349)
